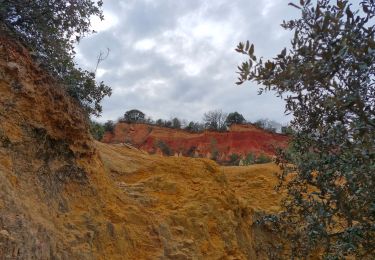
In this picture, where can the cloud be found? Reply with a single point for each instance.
(176, 58)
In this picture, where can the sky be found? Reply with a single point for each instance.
(176, 58)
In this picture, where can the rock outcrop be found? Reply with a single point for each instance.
(239, 139)
(64, 196)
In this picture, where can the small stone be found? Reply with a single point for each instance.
(4, 233)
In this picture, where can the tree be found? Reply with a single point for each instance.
(109, 126)
(176, 123)
(266, 125)
(134, 116)
(50, 29)
(287, 130)
(97, 130)
(159, 122)
(327, 79)
(234, 118)
(215, 120)
(194, 127)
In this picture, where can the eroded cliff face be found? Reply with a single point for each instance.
(64, 196)
(239, 139)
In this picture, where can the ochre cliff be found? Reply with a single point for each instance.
(64, 196)
(239, 139)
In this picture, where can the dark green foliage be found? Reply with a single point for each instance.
(234, 159)
(134, 116)
(168, 123)
(288, 130)
(327, 79)
(49, 29)
(176, 123)
(262, 158)
(109, 126)
(249, 159)
(164, 147)
(234, 118)
(97, 130)
(159, 122)
(194, 127)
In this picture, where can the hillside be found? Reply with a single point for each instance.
(239, 139)
(64, 196)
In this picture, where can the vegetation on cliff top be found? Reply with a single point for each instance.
(50, 29)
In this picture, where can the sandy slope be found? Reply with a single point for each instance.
(198, 210)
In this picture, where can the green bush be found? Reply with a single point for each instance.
(109, 126)
(262, 158)
(234, 159)
(249, 159)
(97, 130)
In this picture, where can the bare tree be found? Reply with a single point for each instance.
(215, 120)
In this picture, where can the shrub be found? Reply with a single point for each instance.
(249, 159)
(109, 126)
(234, 159)
(166, 150)
(262, 158)
(97, 130)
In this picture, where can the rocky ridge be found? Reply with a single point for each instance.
(239, 139)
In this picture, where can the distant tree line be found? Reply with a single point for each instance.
(215, 120)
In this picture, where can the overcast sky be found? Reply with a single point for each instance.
(176, 57)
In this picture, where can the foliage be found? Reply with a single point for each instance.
(164, 147)
(159, 122)
(234, 159)
(234, 118)
(149, 121)
(97, 130)
(287, 130)
(266, 124)
(214, 150)
(176, 123)
(249, 159)
(109, 126)
(327, 80)
(262, 158)
(191, 151)
(215, 120)
(194, 127)
(134, 116)
(50, 29)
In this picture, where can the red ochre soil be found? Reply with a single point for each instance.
(239, 139)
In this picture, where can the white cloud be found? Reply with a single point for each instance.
(145, 44)
(109, 21)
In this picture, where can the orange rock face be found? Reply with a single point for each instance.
(240, 139)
